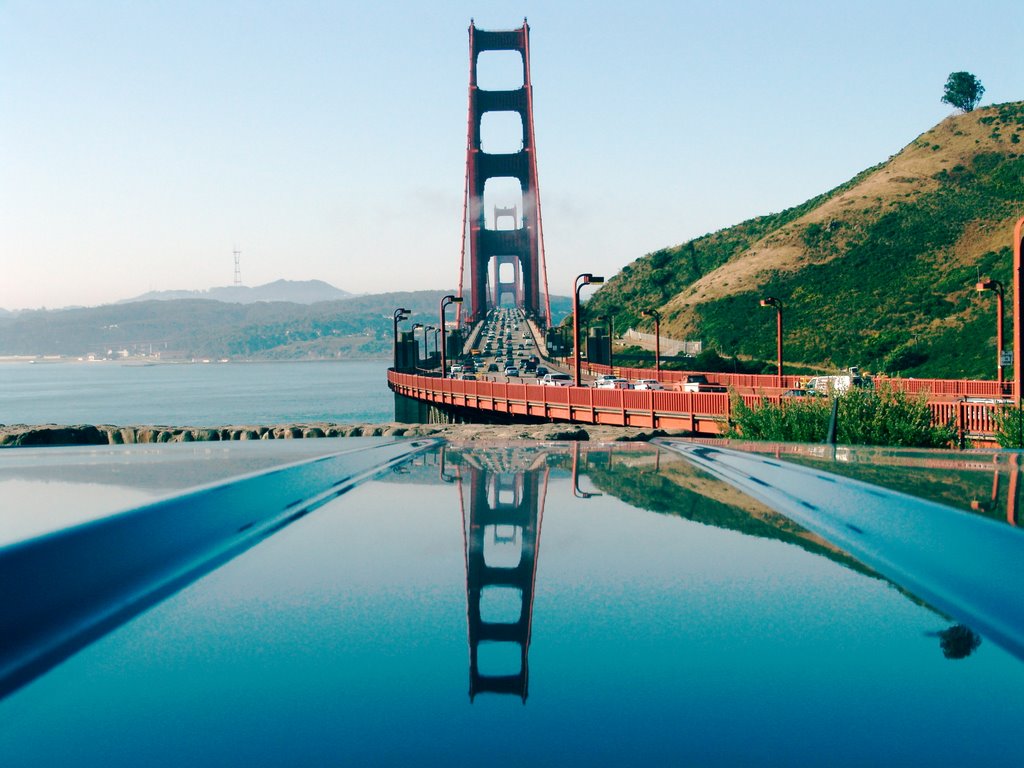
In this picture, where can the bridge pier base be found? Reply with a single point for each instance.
(409, 410)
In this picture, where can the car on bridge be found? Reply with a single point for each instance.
(698, 382)
(557, 380)
(612, 382)
(647, 384)
(511, 371)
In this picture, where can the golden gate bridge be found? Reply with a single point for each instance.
(509, 262)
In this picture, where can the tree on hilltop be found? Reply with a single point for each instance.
(963, 91)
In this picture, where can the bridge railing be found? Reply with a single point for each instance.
(699, 412)
(769, 383)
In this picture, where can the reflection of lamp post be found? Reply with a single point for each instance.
(587, 279)
(771, 301)
(446, 478)
(576, 475)
(400, 314)
(994, 285)
(445, 301)
(657, 336)
(611, 335)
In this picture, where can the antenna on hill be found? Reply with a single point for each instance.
(238, 267)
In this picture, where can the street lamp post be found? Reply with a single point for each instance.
(771, 301)
(400, 314)
(1018, 305)
(445, 301)
(657, 337)
(437, 347)
(581, 280)
(416, 327)
(611, 336)
(994, 285)
(426, 348)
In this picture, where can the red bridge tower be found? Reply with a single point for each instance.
(522, 245)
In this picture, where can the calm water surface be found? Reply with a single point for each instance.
(194, 394)
(662, 618)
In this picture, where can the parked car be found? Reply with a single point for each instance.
(611, 382)
(557, 380)
(647, 384)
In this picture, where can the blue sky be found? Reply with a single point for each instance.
(142, 142)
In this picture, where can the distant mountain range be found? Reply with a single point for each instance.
(293, 291)
(207, 327)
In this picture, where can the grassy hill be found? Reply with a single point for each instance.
(878, 272)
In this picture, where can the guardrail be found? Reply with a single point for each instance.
(698, 412)
(706, 413)
(768, 382)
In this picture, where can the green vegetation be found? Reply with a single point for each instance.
(652, 280)
(865, 417)
(882, 280)
(900, 272)
(1009, 427)
(963, 90)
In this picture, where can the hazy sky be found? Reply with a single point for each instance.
(142, 142)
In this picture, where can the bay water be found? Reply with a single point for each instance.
(195, 394)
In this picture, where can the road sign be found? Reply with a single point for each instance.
(1006, 358)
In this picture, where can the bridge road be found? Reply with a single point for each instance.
(497, 330)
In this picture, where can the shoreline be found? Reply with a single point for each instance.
(141, 361)
(36, 435)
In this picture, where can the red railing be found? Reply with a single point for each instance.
(703, 412)
(698, 412)
(769, 383)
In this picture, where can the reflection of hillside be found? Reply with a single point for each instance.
(965, 489)
(979, 482)
(680, 489)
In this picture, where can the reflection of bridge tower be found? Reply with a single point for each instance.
(502, 534)
(522, 245)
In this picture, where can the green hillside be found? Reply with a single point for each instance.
(879, 272)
